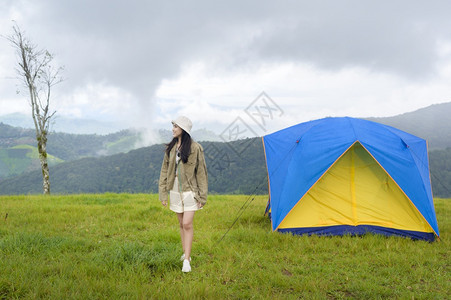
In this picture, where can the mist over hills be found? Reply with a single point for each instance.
(431, 123)
(75, 126)
(65, 124)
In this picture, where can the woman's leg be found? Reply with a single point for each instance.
(180, 218)
(188, 232)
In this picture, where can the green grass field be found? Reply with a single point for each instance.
(126, 246)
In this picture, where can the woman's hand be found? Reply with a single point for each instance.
(164, 203)
(200, 205)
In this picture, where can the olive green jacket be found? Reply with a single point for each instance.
(192, 174)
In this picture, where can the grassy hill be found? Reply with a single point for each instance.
(122, 246)
(20, 159)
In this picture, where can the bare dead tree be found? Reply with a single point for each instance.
(38, 77)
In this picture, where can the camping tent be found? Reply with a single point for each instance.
(338, 176)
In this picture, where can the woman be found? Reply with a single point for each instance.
(184, 177)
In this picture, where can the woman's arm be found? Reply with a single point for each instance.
(202, 177)
(162, 184)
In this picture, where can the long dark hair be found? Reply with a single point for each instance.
(185, 147)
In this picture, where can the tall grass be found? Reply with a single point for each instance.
(128, 246)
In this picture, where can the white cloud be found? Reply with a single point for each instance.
(302, 91)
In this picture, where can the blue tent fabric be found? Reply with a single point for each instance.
(299, 155)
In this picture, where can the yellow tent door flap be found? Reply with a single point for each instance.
(356, 190)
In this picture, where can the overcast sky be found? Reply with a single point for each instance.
(142, 62)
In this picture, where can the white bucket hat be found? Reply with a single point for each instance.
(184, 123)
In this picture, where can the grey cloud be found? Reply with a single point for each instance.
(397, 37)
(136, 44)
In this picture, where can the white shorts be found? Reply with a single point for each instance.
(181, 202)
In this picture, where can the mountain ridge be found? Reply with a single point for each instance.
(73, 149)
(431, 123)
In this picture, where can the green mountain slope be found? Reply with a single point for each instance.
(21, 158)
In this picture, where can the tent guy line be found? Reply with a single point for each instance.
(243, 208)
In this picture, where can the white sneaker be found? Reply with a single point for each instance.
(186, 266)
(182, 258)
